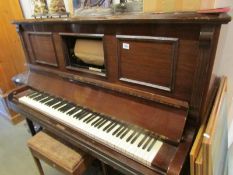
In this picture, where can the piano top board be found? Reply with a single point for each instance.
(179, 17)
(161, 62)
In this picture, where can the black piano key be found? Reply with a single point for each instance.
(147, 142)
(151, 145)
(131, 136)
(89, 118)
(42, 97)
(52, 102)
(46, 100)
(35, 98)
(84, 115)
(31, 94)
(106, 127)
(47, 103)
(93, 123)
(38, 97)
(73, 111)
(80, 113)
(117, 130)
(103, 123)
(121, 131)
(59, 104)
(135, 137)
(68, 108)
(92, 118)
(34, 95)
(124, 133)
(111, 127)
(62, 108)
(71, 105)
(99, 122)
(142, 141)
(65, 108)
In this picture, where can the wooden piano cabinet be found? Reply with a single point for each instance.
(159, 76)
(42, 48)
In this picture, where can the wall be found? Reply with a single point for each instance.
(225, 67)
(225, 55)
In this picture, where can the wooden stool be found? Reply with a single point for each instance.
(58, 155)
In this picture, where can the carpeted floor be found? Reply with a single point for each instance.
(15, 157)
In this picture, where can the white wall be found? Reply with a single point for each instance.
(225, 67)
(225, 55)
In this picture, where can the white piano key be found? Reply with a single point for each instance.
(154, 151)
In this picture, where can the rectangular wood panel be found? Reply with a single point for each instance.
(148, 61)
(43, 48)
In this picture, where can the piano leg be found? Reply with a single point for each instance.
(31, 126)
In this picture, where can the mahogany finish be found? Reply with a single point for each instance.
(158, 77)
(154, 67)
(42, 48)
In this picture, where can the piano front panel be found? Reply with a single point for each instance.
(147, 61)
(42, 48)
(180, 57)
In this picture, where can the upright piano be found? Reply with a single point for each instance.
(131, 90)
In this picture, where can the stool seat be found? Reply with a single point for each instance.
(62, 157)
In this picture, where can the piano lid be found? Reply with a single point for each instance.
(165, 121)
(179, 17)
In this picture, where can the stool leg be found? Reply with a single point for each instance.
(38, 164)
(104, 168)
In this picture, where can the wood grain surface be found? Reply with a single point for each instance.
(12, 59)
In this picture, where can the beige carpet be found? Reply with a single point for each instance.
(15, 157)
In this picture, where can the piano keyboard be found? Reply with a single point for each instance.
(128, 140)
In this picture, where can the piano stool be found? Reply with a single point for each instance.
(58, 155)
